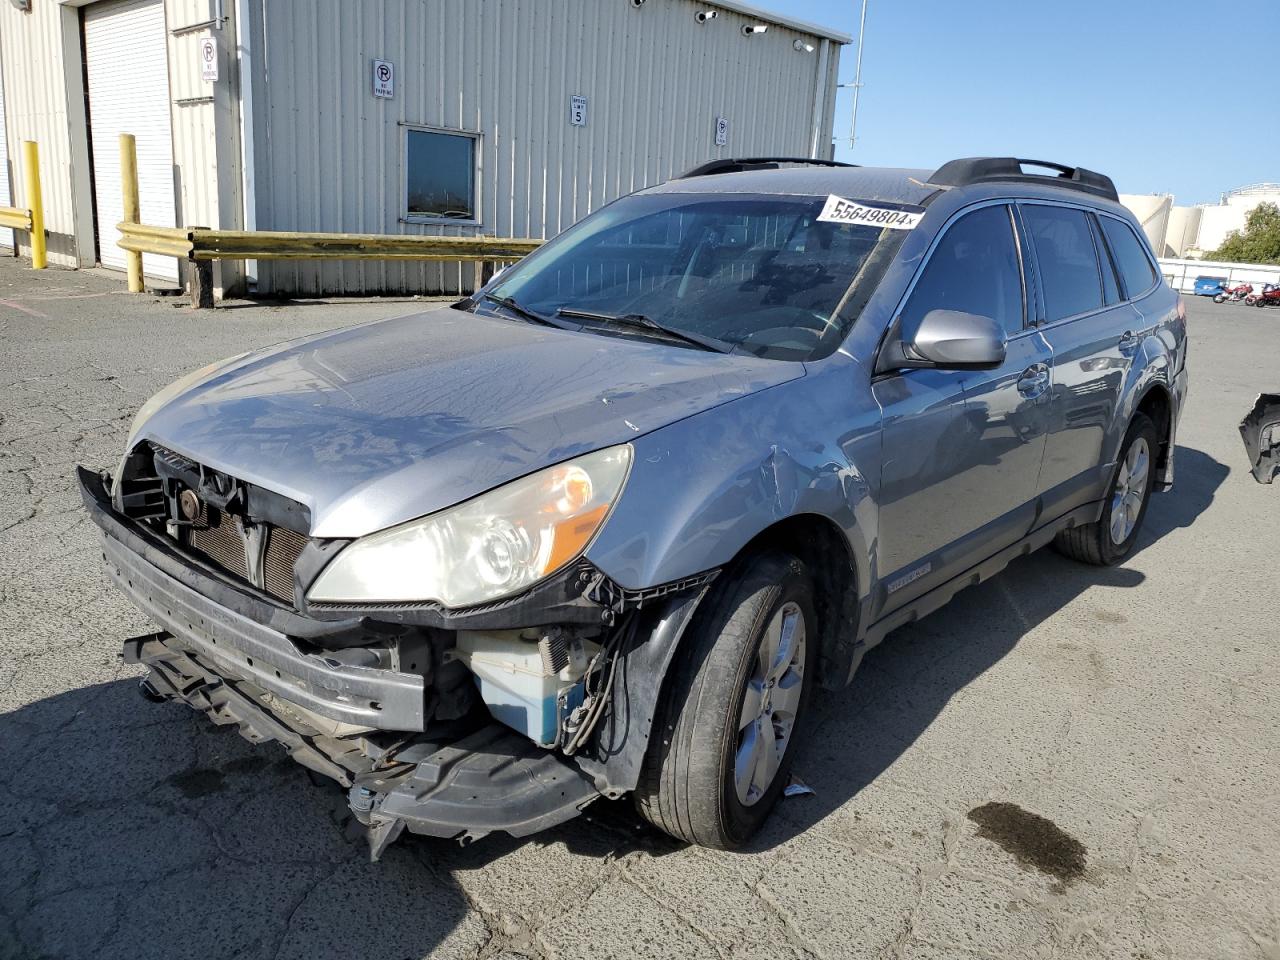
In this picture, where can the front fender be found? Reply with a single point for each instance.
(701, 489)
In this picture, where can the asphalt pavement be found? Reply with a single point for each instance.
(1065, 762)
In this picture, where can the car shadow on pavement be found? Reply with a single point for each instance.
(904, 684)
(132, 830)
(136, 830)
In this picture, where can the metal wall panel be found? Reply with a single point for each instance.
(36, 108)
(205, 118)
(5, 196)
(328, 155)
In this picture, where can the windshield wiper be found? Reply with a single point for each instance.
(639, 321)
(525, 313)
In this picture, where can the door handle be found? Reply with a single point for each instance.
(1034, 380)
(1129, 341)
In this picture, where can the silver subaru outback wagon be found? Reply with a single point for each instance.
(602, 527)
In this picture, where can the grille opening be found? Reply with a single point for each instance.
(283, 548)
(216, 537)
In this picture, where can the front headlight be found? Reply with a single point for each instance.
(494, 545)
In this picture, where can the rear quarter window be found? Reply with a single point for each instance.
(1131, 259)
(1067, 259)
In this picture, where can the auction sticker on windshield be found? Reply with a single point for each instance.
(839, 210)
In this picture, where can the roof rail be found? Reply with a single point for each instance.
(712, 167)
(961, 173)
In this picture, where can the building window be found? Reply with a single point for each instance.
(440, 176)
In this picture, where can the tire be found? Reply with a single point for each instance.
(689, 786)
(1111, 539)
(1220, 298)
(1251, 301)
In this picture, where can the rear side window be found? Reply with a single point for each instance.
(1110, 289)
(1131, 259)
(974, 269)
(1067, 259)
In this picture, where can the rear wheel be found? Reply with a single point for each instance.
(1220, 298)
(1112, 538)
(720, 753)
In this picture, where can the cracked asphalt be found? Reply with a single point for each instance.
(1066, 762)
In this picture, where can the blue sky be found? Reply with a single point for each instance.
(1166, 97)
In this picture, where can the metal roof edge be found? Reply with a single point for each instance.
(803, 26)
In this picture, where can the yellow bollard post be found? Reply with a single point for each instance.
(132, 208)
(31, 171)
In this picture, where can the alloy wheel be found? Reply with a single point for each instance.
(770, 705)
(1130, 490)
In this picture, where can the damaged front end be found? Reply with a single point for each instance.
(510, 716)
(1260, 431)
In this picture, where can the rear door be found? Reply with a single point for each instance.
(962, 448)
(1091, 331)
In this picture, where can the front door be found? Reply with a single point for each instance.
(962, 449)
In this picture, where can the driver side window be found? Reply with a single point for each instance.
(974, 269)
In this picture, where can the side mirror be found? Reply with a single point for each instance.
(954, 340)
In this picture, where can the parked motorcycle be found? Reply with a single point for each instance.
(1269, 297)
(1234, 294)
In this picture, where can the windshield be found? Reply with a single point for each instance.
(758, 274)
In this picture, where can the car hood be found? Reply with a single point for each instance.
(375, 425)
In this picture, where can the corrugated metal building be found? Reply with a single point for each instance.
(431, 117)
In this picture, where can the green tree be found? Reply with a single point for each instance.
(1260, 241)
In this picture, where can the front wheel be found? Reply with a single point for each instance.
(1112, 538)
(1251, 301)
(720, 752)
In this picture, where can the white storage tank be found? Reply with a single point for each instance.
(1152, 211)
(1182, 231)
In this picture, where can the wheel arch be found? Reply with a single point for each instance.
(1156, 402)
(820, 544)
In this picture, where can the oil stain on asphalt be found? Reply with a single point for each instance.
(1032, 840)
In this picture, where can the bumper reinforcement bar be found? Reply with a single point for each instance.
(490, 780)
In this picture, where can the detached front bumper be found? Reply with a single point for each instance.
(182, 598)
(262, 668)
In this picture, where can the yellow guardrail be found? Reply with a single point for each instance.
(166, 241)
(15, 219)
(31, 219)
(200, 246)
(273, 245)
(198, 243)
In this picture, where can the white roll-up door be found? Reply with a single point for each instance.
(128, 69)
